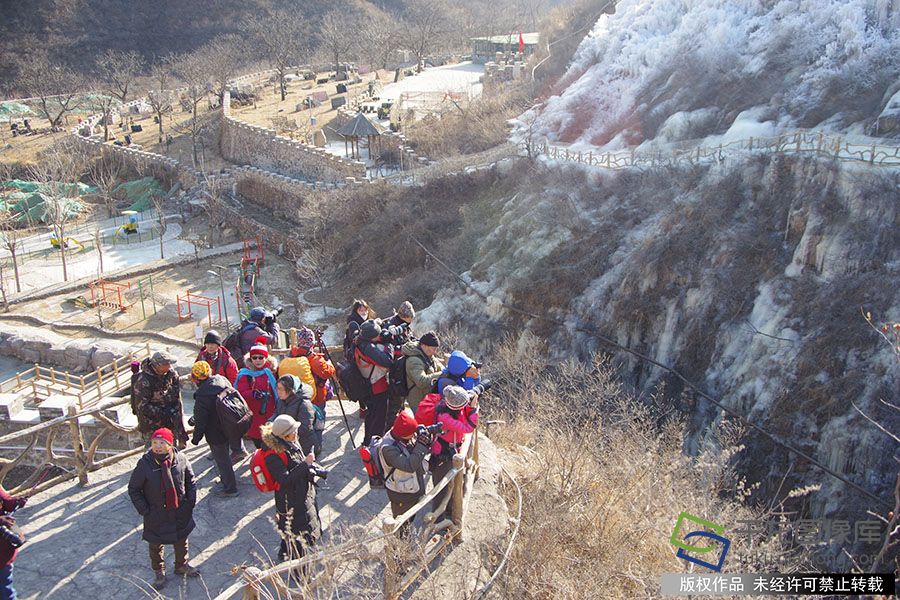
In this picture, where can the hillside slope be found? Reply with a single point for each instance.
(683, 70)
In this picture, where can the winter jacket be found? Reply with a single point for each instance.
(374, 362)
(404, 468)
(299, 406)
(163, 526)
(222, 363)
(353, 323)
(456, 424)
(322, 370)
(7, 552)
(262, 402)
(397, 342)
(296, 492)
(158, 401)
(206, 416)
(421, 373)
(457, 365)
(251, 330)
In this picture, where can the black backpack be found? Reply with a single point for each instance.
(448, 378)
(398, 385)
(234, 414)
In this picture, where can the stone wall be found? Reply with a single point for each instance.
(246, 144)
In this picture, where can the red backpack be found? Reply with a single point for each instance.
(426, 412)
(259, 472)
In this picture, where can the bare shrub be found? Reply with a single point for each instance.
(604, 479)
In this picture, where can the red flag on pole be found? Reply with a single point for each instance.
(521, 43)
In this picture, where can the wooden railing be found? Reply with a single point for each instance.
(82, 460)
(434, 537)
(90, 389)
(871, 151)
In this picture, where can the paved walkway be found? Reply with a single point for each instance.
(86, 542)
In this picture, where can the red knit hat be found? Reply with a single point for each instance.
(261, 340)
(259, 349)
(404, 425)
(163, 433)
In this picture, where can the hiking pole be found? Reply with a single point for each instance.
(334, 383)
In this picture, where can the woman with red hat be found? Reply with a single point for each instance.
(256, 384)
(163, 491)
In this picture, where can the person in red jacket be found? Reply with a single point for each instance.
(323, 371)
(457, 414)
(218, 356)
(10, 540)
(256, 384)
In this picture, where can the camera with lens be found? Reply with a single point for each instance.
(261, 395)
(393, 334)
(431, 430)
(482, 387)
(270, 320)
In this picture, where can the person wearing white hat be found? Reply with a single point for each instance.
(296, 511)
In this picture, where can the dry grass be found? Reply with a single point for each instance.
(478, 126)
(604, 479)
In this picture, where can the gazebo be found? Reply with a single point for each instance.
(358, 127)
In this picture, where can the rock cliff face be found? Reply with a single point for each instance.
(748, 277)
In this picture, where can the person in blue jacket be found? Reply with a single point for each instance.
(460, 370)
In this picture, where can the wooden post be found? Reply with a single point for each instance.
(68, 383)
(391, 567)
(37, 371)
(81, 377)
(292, 336)
(456, 500)
(77, 445)
(52, 376)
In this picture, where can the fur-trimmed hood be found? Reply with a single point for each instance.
(272, 441)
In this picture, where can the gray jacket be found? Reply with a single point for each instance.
(404, 469)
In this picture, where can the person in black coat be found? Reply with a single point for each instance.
(163, 491)
(207, 424)
(359, 312)
(295, 400)
(297, 513)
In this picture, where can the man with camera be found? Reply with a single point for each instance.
(402, 454)
(395, 330)
(157, 397)
(259, 323)
(297, 514)
(422, 367)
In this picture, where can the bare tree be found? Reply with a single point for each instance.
(54, 85)
(424, 23)
(193, 69)
(11, 236)
(159, 204)
(160, 97)
(280, 37)
(105, 174)
(119, 70)
(381, 38)
(103, 104)
(337, 35)
(222, 56)
(59, 169)
(98, 244)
